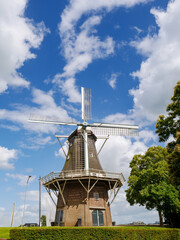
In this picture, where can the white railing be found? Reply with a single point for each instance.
(82, 173)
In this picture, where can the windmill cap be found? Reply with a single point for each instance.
(79, 131)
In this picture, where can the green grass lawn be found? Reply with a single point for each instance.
(4, 232)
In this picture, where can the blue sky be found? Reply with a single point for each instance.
(127, 52)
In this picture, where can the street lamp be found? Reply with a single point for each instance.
(25, 201)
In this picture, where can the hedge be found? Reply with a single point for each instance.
(94, 233)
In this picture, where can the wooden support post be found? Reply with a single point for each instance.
(61, 193)
(50, 196)
(115, 195)
(112, 191)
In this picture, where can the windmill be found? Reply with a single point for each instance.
(83, 189)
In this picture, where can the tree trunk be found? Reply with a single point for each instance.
(160, 218)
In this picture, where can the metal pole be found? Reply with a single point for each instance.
(12, 216)
(86, 155)
(39, 201)
(25, 201)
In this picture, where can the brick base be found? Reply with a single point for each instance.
(78, 209)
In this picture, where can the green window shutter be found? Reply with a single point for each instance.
(95, 218)
(100, 215)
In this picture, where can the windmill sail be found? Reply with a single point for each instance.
(42, 119)
(86, 104)
(114, 129)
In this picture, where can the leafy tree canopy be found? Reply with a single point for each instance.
(149, 184)
(170, 126)
(43, 220)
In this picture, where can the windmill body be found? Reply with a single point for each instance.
(83, 189)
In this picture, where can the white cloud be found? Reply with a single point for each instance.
(80, 50)
(119, 118)
(6, 157)
(77, 8)
(68, 87)
(47, 206)
(123, 213)
(81, 44)
(18, 36)
(160, 72)
(46, 108)
(32, 195)
(31, 213)
(121, 151)
(131, 118)
(22, 178)
(12, 128)
(138, 30)
(113, 80)
(60, 152)
(28, 170)
(37, 142)
(147, 136)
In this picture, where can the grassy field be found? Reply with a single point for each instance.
(4, 232)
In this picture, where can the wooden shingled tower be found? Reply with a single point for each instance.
(83, 189)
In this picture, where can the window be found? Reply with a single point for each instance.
(97, 218)
(59, 216)
(96, 196)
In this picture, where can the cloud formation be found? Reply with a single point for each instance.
(123, 213)
(119, 151)
(44, 106)
(18, 36)
(81, 44)
(7, 156)
(113, 80)
(160, 71)
(21, 178)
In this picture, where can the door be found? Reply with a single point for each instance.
(59, 216)
(97, 218)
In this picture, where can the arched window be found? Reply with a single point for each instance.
(97, 217)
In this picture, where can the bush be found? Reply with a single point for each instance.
(94, 233)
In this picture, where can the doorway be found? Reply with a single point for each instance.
(97, 217)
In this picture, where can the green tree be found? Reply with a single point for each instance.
(149, 183)
(43, 220)
(166, 127)
(170, 126)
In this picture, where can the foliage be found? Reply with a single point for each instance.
(43, 220)
(170, 126)
(4, 232)
(95, 233)
(149, 183)
(167, 127)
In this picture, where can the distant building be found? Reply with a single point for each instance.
(137, 223)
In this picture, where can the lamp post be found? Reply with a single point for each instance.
(25, 201)
(39, 201)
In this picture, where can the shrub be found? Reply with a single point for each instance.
(94, 233)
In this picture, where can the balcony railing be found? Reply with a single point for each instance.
(82, 173)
